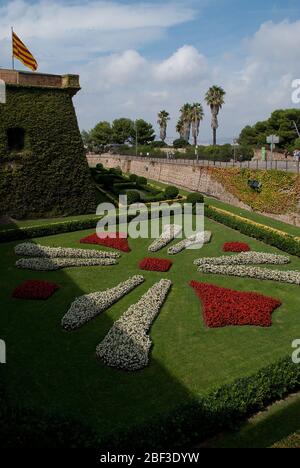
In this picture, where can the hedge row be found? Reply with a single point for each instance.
(31, 232)
(271, 236)
(182, 428)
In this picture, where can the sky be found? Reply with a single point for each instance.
(136, 58)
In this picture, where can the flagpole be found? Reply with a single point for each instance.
(12, 45)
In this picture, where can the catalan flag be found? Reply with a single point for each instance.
(21, 52)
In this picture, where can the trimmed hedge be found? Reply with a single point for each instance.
(271, 236)
(194, 198)
(187, 425)
(50, 229)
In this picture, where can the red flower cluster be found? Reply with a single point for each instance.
(236, 247)
(224, 307)
(155, 264)
(34, 289)
(115, 240)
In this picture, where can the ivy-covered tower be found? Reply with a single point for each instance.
(43, 168)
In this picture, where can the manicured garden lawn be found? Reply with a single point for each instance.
(56, 370)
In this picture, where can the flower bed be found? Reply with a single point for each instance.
(236, 247)
(47, 264)
(155, 264)
(170, 232)
(244, 258)
(36, 250)
(224, 307)
(127, 345)
(193, 242)
(34, 289)
(114, 240)
(87, 307)
(292, 277)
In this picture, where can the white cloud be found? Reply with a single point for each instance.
(186, 64)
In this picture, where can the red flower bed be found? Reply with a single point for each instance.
(224, 307)
(236, 247)
(155, 264)
(34, 289)
(114, 240)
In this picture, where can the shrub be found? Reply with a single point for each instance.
(142, 181)
(194, 198)
(99, 167)
(158, 144)
(279, 239)
(133, 197)
(133, 177)
(180, 143)
(116, 171)
(171, 192)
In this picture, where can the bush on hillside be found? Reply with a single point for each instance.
(194, 198)
(133, 197)
(142, 181)
(171, 192)
(180, 143)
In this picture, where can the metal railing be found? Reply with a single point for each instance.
(277, 165)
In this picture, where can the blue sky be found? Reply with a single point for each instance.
(135, 58)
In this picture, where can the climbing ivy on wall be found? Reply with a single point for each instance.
(50, 175)
(279, 193)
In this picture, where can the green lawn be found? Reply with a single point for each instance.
(52, 369)
(266, 429)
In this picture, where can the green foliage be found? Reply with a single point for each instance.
(142, 181)
(133, 177)
(122, 131)
(180, 143)
(280, 123)
(159, 144)
(101, 135)
(171, 192)
(133, 196)
(116, 171)
(99, 167)
(282, 241)
(31, 232)
(50, 176)
(145, 133)
(194, 198)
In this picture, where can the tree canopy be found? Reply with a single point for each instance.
(280, 123)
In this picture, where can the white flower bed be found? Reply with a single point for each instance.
(29, 249)
(292, 277)
(47, 264)
(170, 232)
(87, 307)
(127, 345)
(198, 239)
(245, 258)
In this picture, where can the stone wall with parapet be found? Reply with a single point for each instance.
(186, 176)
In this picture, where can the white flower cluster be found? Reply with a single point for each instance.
(127, 345)
(29, 249)
(245, 258)
(87, 307)
(170, 232)
(197, 240)
(47, 264)
(292, 277)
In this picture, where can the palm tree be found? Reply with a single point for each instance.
(180, 128)
(163, 118)
(197, 117)
(186, 116)
(215, 99)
